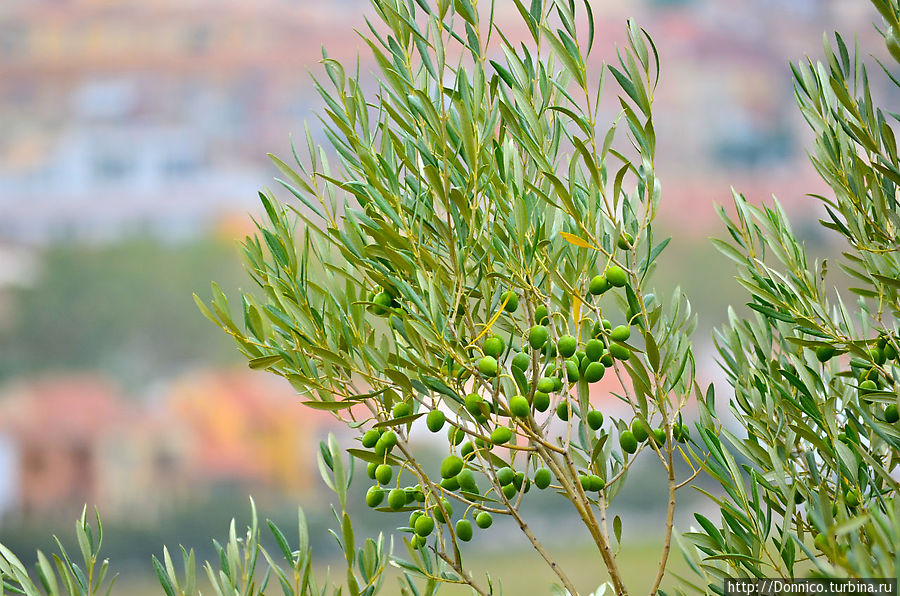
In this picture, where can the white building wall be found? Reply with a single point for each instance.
(9, 476)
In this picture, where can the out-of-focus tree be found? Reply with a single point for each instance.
(124, 309)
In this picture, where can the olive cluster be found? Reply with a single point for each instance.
(869, 379)
(427, 510)
(546, 365)
(867, 372)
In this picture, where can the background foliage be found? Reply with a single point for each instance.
(814, 375)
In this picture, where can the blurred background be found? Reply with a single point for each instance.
(133, 136)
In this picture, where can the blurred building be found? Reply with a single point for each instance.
(124, 115)
(56, 431)
(147, 114)
(75, 439)
(247, 428)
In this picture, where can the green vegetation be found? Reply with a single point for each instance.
(813, 387)
(90, 310)
(478, 209)
(456, 199)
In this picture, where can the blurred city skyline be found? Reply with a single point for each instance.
(155, 116)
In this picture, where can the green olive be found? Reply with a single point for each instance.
(628, 442)
(505, 476)
(451, 466)
(413, 517)
(616, 276)
(464, 530)
(456, 435)
(619, 352)
(640, 430)
(821, 542)
(474, 403)
(542, 478)
(401, 409)
(549, 350)
(501, 435)
(541, 401)
(824, 353)
(518, 406)
(594, 372)
(572, 373)
(521, 361)
(374, 497)
(383, 474)
(435, 420)
(594, 419)
(537, 336)
(439, 515)
(877, 355)
(545, 385)
(390, 439)
(594, 349)
(620, 333)
(488, 366)
(424, 526)
(484, 520)
(397, 499)
(381, 303)
(512, 301)
(598, 285)
(466, 480)
(595, 483)
(370, 438)
(494, 346)
(385, 443)
(566, 345)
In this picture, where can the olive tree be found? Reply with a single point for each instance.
(811, 479)
(475, 248)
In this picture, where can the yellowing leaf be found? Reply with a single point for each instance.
(493, 319)
(575, 240)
